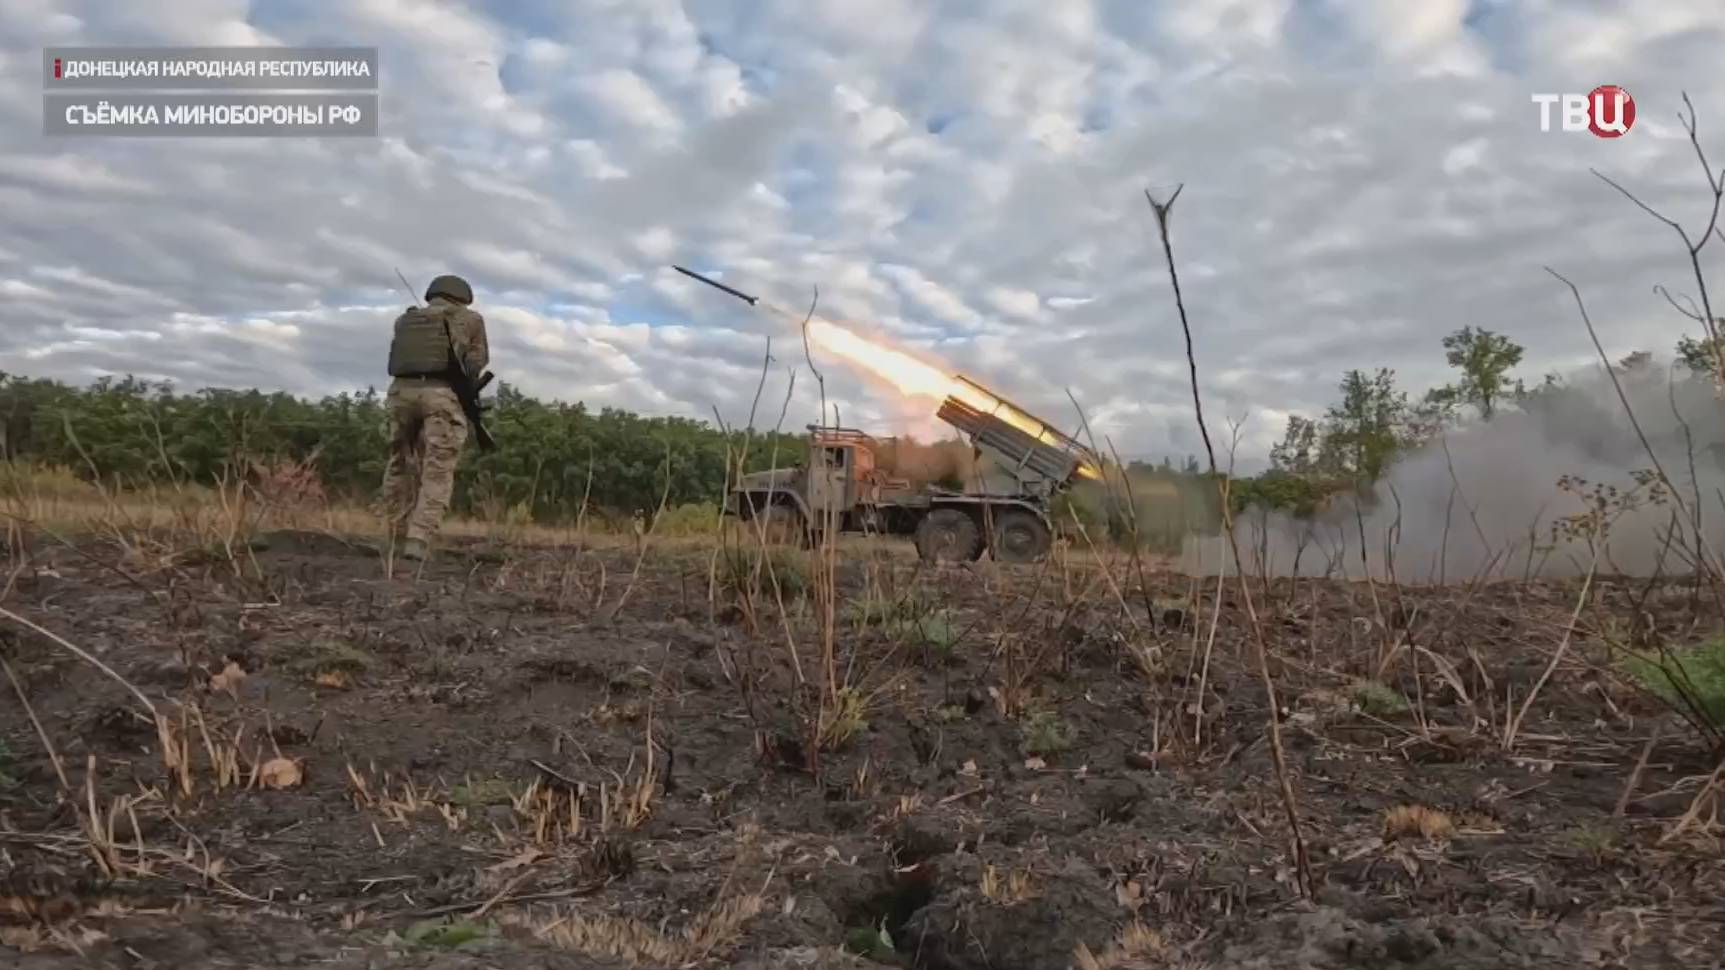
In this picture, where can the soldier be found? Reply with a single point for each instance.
(427, 428)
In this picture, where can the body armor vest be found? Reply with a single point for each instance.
(421, 344)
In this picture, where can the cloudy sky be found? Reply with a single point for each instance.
(964, 179)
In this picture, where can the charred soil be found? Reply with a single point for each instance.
(569, 757)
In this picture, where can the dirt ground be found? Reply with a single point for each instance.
(535, 757)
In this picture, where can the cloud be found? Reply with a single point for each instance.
(70, 173)
(1020, 303)
(628, 97)
(1360, 179)
(932, 296)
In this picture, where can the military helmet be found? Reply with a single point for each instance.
(452, 287)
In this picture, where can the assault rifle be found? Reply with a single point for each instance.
(465, 386)
(467, 392)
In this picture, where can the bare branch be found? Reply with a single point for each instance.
(1163, 211)
(1716, 185)
(1692, 312)
(1644, 206)
(1290, 803)
(1628, 409)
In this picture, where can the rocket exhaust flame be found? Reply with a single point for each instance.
(910, 375)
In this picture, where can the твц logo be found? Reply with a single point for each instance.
(1608, 111)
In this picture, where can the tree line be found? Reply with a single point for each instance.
(1352, 444)
(552, 457)
(1357, 439)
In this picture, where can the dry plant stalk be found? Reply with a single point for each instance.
(1302, 867)
(164, 733)
(643, 540)
(41, 732)
(553, 812)
(1008, 889)
(1705, 801)
(1514, 726)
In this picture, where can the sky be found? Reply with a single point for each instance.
(964, 180)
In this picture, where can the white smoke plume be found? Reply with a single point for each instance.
(1481, 502)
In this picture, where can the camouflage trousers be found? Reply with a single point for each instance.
(426, 433)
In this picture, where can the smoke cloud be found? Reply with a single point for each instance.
(1481, 501)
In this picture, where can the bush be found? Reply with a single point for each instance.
(26, 480)
(688, 519)
(1379, 700)
(552, 458)
(1046, 734)
(750, 570)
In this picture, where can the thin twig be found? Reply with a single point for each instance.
(1635, 776)
(1302, 867)
(1557, 655)
(53, 755)
(87, 658)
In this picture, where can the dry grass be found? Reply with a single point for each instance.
(607, 937)
(1137, 946)
(1417, 821)
(399, 801)
(1007, 888)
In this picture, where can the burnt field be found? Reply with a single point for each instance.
(561, 757)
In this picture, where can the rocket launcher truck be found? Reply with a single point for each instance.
(840, 484)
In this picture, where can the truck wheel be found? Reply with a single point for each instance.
(948, 535)
(1019, 537)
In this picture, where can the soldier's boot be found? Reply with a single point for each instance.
(415, 550)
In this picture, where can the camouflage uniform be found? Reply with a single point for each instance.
(427, 431)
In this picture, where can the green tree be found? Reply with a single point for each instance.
(1485, 360)
(1297, 452)
(1362, 435)
(1702, 356)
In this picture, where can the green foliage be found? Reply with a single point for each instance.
(1591, 838)
(689, 519)
(872, 942)
(1277, 489)
(24, 480)
(132, 433)
(1046, 734)
(1297, 453)
(1362, 435)
(1701, 356)
(1485, 360)
(1358, 439)
(472, 794)
(936, 630)
(909, 619)
(1690, 681)
(330, 657)
(844, 719)
(1379, 700)
(752, 570)
(446, 935)
(885, 610)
